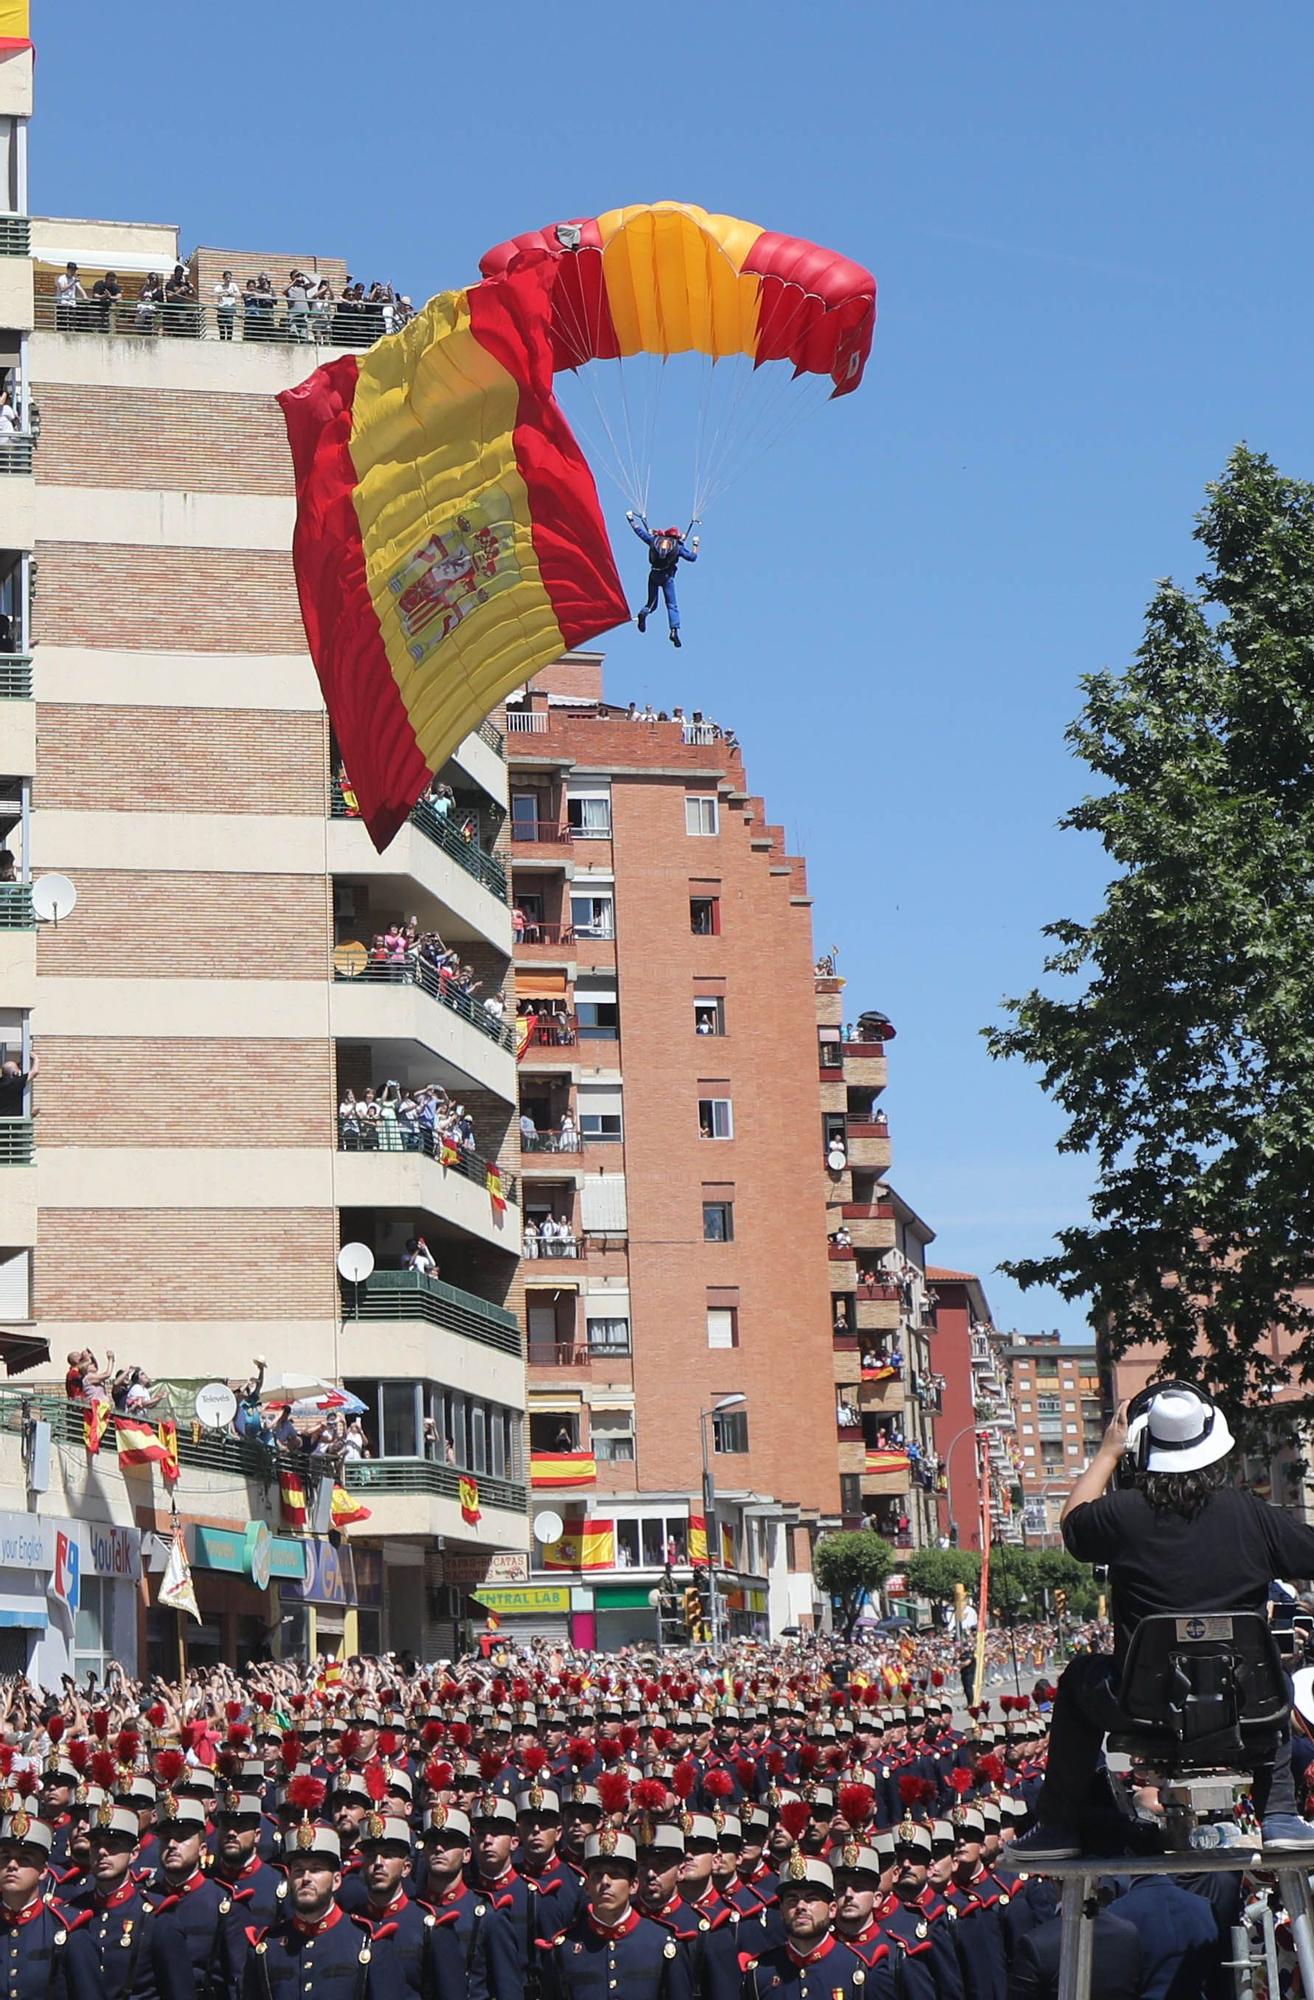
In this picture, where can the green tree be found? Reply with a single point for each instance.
(933, 1573)
(1055, 1569)
(1016, 1592)
(848, 1565)
(1184, 1058)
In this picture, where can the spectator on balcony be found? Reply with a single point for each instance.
(846, 1416)
(528, 1133)
(549, 1236)
(142, 1395)
(150, 303)
(8, 866)
(390, 1138)
(408, 1124)
(286, 1435)
(249, 1421)
(879, 1118)
(14, 1081)
(355, 1445)
(495, 1007)
(518, 925)
(85, 1380)
(10, 424)
(349, 1135)
(226, 294)
(105, 295)
(322, 303)
(568, 1137)
(531, 1245)
(566, 1244)
(420, 1258)
(257, 311)
(69, 298)
(842, 1239)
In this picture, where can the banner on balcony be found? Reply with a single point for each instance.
(93, 1425)
(886, 1373)
(347, 1509)
(467, 1492)
(888, 1461)
(727, 1548)
(493, 1182)
(583, 1545)
(170, 1470)
(15, 27)
(292, 1497)
(449, 1153)
(139, 1443)
(563, 1468)
(525, 1025)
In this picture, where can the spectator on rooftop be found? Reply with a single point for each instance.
(226, 294)
(180, 307)
(69, 297)
(321, 311)
(257, 310)
(150, 303)
(297, 294)
(105, 295)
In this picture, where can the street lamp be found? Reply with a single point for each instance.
(986, 1424)
(733, 1402)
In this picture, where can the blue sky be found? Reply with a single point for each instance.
(1090, 227)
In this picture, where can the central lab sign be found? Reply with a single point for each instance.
(510, 1602)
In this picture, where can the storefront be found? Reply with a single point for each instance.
(623, 1616)
(526, 1611)
(322, 1609)
(81, 1618)
(234, 1571)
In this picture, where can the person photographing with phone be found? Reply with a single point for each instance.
(1177, 1536)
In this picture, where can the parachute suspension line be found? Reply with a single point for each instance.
(613, 460)
(651, 432)
(777, 392)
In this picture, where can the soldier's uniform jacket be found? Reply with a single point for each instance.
(259, 1894)
(43, 1951)
(557, 1896)
(919, 1975)
(200, 1910)
(635, 1959)
(981, 1909)
(830, 1972)
(427, 1953)
(332, 1960)
(488, 1944)
(140, 1958)
(512, 1898)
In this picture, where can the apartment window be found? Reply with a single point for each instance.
(588, 814)
(850, 1493)
(612, 1435)
(1028, 1430)
(830, 1049)
(1048, 1406)
(609, 1335)
(700, 813)
(526, 812)
(715, 1118)
(593, 915)
(597, 1020)
(709, 1016)
(1028, 1451)
(1073, 1429)
(718, 1222)
(723, 1326)
(705, 916)
(628, 1546)
(554, 1430)
(600, 1112)
(729, 1432)
(1070, 1407)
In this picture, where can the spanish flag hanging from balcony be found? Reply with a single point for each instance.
(885, 1373)
(886, 1460)
(448, 539)
(727, 1547)
(292, 1497)
(493, 1182)
(139, 1443)
(449, 1153)
(347, 1509)
(582, 1545)
(563, 1468)
(467, 1492)
(93, 1425)
(15, 26)
(525, 1025)
(170, 1470)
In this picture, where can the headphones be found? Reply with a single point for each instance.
(1140, 1443)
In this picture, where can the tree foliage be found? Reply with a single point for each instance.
(933, 1573)
(848, 1565)
(1184, 1062)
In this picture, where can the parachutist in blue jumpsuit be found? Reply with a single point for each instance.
(665, 553)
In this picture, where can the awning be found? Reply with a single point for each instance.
(540, 985)
(21, 1351)
(27, 1621)
(112, 259)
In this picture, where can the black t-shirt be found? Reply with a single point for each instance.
(1222, 1560)
(11, 1095)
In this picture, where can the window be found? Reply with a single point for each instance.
(1028, 1451)
(525, 815)
(400, 1420)
(597, 1020)
(1028, 1430)
(715, 1118)
(1048, 1406)
(602, 1205)
(612, 1435)
(599, 1113)
(718, 1222)
(850, 1493)
(532, 909)
(709, 1016)
(729, 1431)
(700, 815)
(1072, 1428)
(593, 915)
(554, 1430)
(588, 814)
(91, 1634)
(609, 1335)
(1070, 1407)
(723, 1326)
(627, 1544)
(705, 916)
(830, 1049)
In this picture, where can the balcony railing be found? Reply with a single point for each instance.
(344, 323)
(881, 1294)
(426, 1475)
(536, 932)
(17, 1140)
(392, 1295)
(526, 722)
(550, 1141)
(15, 236)
(16, 912)
(490, 734)
(419, 972)
(15, 677)
(15, 454)
(554, 1250)
(547, 831)
(552, 1031)
(440, 829)
(558, 1354)
(392, 1138)
(867, 1128)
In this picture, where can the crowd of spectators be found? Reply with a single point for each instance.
(306, 308)
(554, 1236)
(392, 1120)
(404, 951)
(565, 1139)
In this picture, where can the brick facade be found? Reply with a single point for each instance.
(168, 599)
(153, 926)
(211, 760)
(120, 1091)
(181, 1264)
(162, 438)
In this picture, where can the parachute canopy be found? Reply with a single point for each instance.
(449, 540)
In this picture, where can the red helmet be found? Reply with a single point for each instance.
(674, 533)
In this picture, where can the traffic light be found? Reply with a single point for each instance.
(1061, 1601)
(693, 1607)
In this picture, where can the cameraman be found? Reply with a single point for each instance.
(1179, 1538)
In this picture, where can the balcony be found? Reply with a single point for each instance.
(456, 1193)
(441, 830)
(526, 722)
(15, 677)
(16, 912)
(408, 1002)
(865, 1066)
(841, 1253)
(867, 1142)
(488, 733)
(408, 1295)
(539, 833)
(424, 1475)
(347, 323)
(391, 1141)
(558, 1354)
(536, 1151)
(15, 236)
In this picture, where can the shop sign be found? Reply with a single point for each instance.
(112, 1551)
(493, 1566)
(251, 1552)
(27, 1542)
(896, 1585)
(523, 1600)
(327, 1578)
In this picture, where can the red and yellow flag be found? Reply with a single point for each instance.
(582, 1545)
(139, 1442)
(292, 1497)
(347, 1509)
(93, 1425)
(449, 1153)
(170, 1470)
(15, 26)
(563, 1468)
(887, 1460)
(698, 1539)
(493, 1182)
(525, 1025)
(468, 1494)
(449, 539)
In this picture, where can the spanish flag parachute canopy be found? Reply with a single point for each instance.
(449, 538)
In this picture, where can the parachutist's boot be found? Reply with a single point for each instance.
(643, 621)
(675, 635)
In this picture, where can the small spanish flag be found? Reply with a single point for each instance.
(93, 1425)
(292, 1495)
(346, 1509)
(493, 1182)
(468, 1494)
(449, 1154)
(169, 1467)
(329, 1678)
(563, 1468)
(139, 1442)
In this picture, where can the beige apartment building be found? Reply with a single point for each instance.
(177, 1185)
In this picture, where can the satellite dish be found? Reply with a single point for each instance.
(548, 1527)
(53, 896)
(215, 1406)
(837, 1159)
(355, 1262)
(350, 960)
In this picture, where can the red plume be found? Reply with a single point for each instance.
(609, 1750)
(307, 1793)
(263, 1700)
(746, 1772)
(649, 1795)
(837, 1758)
(629, 1736)
(157, 1715)
(289, 1751)
(79, 1752)
(239, 1735)
(55, 1726)
(298, 1704)
(579, 1750)
(683, 1778)
(376, 1779)
(432, 1734)
(718, 1784)
(389, 1743)
(349, 1744)
(614, 1791)
(25, 1784)
(837, 1697)
(989, 1770)
(662, 1738)
(438, 1775)
(104, 1770)
(775, 1761)
(533, 1759)
(233, 1711)
(809, 1757)
(7, 1755)
(910, 1790)
(490, 1765)
(960, 1780)
(169, 1766)
(520, 1690)
(458, 1734)
(856, 1803)
(191, 1733)
(127, 1746)
(937, 1677)
(226, 1763)
(794, 1816)
(100, 1722)
(499, 1689)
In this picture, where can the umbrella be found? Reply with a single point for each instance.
(332, 1399)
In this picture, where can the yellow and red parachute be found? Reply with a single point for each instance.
(449, 540)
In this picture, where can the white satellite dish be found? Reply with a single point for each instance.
(837, 1159)
(548, 1527)
(355, 1262)
(215, 1406)
(53, 896)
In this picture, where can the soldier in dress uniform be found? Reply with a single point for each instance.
(140, 1957)
(190, 1901)
(73, 1873)
(317, 1949)
(555, 1892)
(981, 1907)
(427, 1952)
(43, 1949)
(493, 1875)
(488, 1944)
(926, 1954)
(857, 1871)
(257, 1888)
(581, 1816)
(59, 1782)
(611, 1948)
(812, 1964)
(348, 1803)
